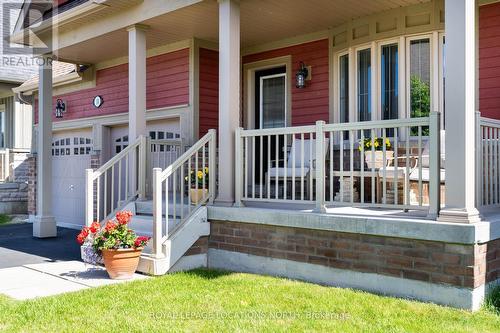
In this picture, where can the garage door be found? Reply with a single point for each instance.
(70, 157)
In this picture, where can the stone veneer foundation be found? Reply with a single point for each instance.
(442, 272)
(458, 265)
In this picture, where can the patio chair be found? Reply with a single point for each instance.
(410, 176)
(307, 170)
(424, 163)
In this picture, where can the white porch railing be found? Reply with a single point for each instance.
(172, 198)
(5, 164)
(162, 153)
(488, 162)
(323, 164)
(113, 184)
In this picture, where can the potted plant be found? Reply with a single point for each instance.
(116, 244)
(200, 178)
(375, 159)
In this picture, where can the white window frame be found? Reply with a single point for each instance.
(249, 71)
(381, 44)
(262, 78)
(441, 40)
(409, 39)
(354, 66)
(337, 84)
(403, 41)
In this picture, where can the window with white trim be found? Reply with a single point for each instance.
(419, 70)
(72, 146)
(407, 58)
(364, 86)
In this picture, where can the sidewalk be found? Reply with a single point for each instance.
(31, 267)
(47, 279)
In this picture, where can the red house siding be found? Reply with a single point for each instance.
(209, 90)
(489, 60)
(311, 103)
(167, 84)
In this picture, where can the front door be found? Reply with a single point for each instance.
(270, 102)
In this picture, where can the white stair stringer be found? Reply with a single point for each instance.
(177, 244)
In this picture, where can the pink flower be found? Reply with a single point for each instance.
(82, 236)
(123, 217)
(141, 241)
(110, 226)
(94, 227)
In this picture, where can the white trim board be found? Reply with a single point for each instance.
(119, 118)
(464, 298)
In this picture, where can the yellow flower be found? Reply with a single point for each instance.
(206, 169)
(199, 174)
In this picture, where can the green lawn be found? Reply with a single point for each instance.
(233, 302)
(4, 219)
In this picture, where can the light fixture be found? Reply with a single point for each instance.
(60, 108)
(301, 76)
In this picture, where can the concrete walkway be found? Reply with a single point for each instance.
(31, 267)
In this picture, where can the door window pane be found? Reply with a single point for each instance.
(420, 73)
(364, 85)
(273, 99)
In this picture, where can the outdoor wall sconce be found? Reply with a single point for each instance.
(301, 76)
(60, 108)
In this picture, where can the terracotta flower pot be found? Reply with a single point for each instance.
(122, 263)
(197, 195)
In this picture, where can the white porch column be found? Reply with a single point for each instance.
(229, 95)
(460, 98)
(44, 224)
(136, 81)
(136, 98)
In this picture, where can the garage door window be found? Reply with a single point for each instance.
(72, 146)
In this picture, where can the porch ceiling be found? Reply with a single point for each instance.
(262, 21)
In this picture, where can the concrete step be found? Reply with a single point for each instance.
(178, 242)
(146, 208)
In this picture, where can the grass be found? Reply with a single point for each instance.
(228, 302)
(492, 301)
(4, 219)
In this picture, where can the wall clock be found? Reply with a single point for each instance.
(97, 102)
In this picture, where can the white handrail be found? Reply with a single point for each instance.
(115, 159)
(308, 164)
(118, 181)
(169, 186)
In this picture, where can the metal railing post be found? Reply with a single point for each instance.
(434, 165)
(148, 170)
(157, 214)
(319, 168)
(212, 156)
(89, 197)
(142, 168)
(238, 163)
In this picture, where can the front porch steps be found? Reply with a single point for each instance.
(181, 236)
